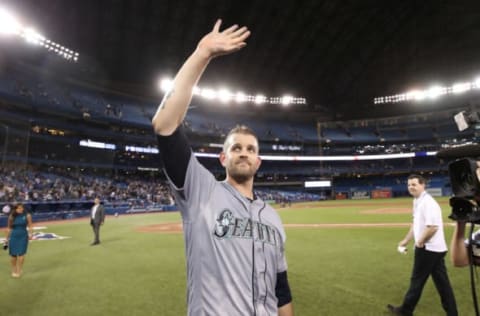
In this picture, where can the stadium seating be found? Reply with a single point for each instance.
(45, 116)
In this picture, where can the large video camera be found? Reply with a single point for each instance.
(466, 190)
(464, 174)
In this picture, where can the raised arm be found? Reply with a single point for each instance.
(172, 110)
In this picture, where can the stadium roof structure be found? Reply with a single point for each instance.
(339, 55)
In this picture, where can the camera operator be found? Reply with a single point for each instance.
(459, 246)
(464, 174)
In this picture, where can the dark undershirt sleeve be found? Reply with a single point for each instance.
(282, 289)
(175, 152)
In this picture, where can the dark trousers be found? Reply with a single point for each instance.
(96, 231)
(428, 263)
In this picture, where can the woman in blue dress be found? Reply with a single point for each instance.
(18, 236)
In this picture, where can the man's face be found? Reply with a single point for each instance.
(240, 157)
(415, 188)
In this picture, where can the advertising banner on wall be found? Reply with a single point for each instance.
(359, 195)
(381, 194)
(435, 191)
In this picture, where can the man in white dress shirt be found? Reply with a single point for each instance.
(430, 251)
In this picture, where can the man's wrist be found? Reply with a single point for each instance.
(203, 54)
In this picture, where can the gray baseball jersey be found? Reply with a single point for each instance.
(234, 247)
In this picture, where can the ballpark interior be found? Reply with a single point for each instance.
(347, 98)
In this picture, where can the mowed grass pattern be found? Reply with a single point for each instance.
(332, 271)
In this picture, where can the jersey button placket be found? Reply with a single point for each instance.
(261, 270)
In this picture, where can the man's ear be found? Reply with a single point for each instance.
(259, 162)
(222, 158)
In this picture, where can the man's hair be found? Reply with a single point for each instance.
(239, 129)
(420, 178)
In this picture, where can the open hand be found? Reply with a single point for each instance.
(218, 43)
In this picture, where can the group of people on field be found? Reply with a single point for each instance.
(235, 242)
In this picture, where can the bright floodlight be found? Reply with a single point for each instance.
(259, 99)
(461, 87)
(418, 95)
(8, 23)
(286, 100)
(224, 95)
(476, 83)
(431, 93)
(436, 91)
(208, 93)
(240, 97)
(166, 85)
(33, 37)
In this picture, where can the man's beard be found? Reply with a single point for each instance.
(241, 176)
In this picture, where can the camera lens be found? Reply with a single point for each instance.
(463, 178)
(466, 181)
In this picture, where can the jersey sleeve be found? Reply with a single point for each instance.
(190, 181)
(175, 152)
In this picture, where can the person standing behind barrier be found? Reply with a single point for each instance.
(17, 237)
(430, 251)
(235, 242)
(97, 217)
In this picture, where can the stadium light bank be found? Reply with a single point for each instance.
(224, 95)
(10, 26)
(429, 94)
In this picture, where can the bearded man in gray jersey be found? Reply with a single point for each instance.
(234, 241)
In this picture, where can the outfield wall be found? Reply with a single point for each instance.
(52, 211)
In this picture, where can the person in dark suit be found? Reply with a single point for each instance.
(97, 217)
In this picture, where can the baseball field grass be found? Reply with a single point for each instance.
(342, 261)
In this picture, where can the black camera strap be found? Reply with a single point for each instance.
(472, 263)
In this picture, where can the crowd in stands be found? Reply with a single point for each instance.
(286, 198)
(33, 185)
(61, 184)
(90, 103)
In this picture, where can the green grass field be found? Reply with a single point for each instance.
(332, 271)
